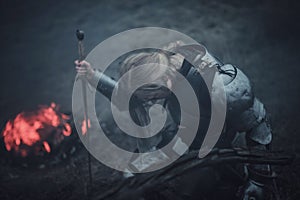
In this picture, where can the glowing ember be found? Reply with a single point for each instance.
(47, 147)
(83, 126)
(30, 132)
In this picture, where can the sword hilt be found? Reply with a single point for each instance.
(80, 37)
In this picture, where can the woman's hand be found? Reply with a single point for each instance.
(84, 68)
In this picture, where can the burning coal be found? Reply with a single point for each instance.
(36, 132)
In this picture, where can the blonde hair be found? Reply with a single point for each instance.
(158, 58)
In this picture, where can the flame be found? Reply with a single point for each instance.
(83, 126)
(34, 129)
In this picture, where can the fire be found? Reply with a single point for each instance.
(35, 129)
(83, 126)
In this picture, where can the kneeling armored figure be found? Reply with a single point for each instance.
(246, 123)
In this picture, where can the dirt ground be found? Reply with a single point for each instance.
(39, 47)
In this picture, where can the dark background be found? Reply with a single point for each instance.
(38, 47)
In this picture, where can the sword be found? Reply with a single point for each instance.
(80, 37)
